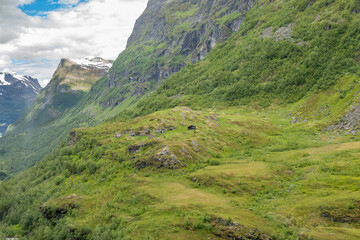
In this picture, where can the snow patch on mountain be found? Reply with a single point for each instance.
(17, 93)
(11, 78)
(92, 62)
(2, 80)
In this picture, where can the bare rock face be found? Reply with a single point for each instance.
(81, 74)
(205, 28)
(350, 123)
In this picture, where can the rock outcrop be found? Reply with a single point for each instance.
(162, 158)
(349, 124)
(227, 229)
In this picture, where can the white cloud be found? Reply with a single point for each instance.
(22, 2)
(96, 28)
(68, 1)
(4, 61)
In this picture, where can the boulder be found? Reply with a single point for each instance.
(137, 147)
(162, 159)
(72, 139)
(118, 135)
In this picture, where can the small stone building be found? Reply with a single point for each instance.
(132, 134)
(191, 127)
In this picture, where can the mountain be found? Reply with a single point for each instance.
(166, 37)
(17, 93)
(278, 56)
(256, 140)
(190, 30)
(71, 81)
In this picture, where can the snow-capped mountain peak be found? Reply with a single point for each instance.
(3, 80)
(12, 78)
(17, 93)
(92, 62)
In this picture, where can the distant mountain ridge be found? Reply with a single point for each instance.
(72, 79)
(17, 93)
(11, 78)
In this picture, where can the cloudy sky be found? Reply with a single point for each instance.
(36, 34)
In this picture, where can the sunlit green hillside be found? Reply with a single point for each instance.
(275, 152)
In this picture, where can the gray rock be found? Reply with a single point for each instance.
(137, 147)
(146, 132)
(350, 123)
(283, 33)
(158, 131)
(163, 159)
(118, 135)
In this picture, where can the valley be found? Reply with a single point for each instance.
(221, 119)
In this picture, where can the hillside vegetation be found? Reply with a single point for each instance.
(156, 49)
(275, 153)
(241, 173)
(284, 51)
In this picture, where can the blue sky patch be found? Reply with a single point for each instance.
(13, 61)
(42, 7)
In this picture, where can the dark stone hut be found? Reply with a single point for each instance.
(191, 127)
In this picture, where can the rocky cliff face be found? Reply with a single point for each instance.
(17, 93)
(167, 36)
(194, 27)
(72, 79)
(75, 75)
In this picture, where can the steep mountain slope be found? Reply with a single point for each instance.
(17, 93)
(185, 31)
(167, 36)
(283, 52)
(70, 82)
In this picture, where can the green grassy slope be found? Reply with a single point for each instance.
(259, 166)
(284, 51)
(242, 170)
